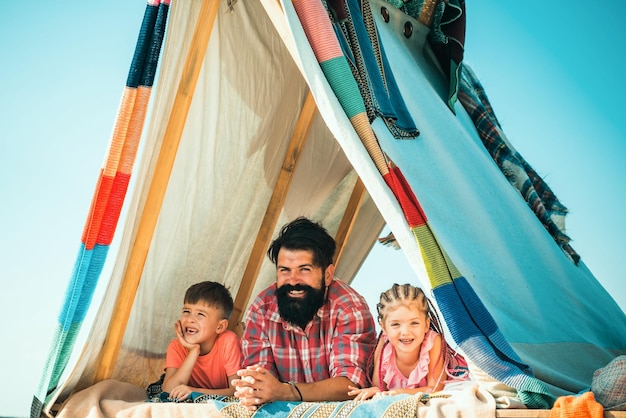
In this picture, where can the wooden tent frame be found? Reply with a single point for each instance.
(158, 186)
(156, 193)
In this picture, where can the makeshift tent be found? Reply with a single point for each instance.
(264, 111)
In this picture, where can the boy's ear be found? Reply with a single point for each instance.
(222, 326)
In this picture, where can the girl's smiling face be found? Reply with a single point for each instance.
(405, 327)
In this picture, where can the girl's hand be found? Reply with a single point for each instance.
(363, 394)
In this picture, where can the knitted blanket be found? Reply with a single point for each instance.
(108, 198)
(471, 325)
(112, 398)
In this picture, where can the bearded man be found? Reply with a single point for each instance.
(308, 337)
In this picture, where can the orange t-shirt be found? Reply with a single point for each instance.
(211, 370)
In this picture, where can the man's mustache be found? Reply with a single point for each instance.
(288, 287)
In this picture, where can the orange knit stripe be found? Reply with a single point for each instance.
(118, 138)
(361, 125)
(134, 129)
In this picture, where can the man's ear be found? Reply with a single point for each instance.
(330, 273)
(222, 326)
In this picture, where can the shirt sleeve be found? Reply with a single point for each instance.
(174, 356)
(255, 344)
(353, 344)
(231, 353)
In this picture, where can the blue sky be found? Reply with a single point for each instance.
(551, 70)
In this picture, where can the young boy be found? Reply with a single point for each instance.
(206, 355)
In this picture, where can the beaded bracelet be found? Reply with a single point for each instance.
(296, 388)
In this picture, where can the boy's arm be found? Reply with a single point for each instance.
(229, 391)
(180, 376)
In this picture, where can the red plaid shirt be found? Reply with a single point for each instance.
(337, 342)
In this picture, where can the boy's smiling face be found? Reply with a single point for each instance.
(201, 324)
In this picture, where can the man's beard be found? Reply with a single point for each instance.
(302, 310)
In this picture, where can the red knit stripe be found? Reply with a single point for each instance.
(96, 212)
(114, 207)
(411, 208)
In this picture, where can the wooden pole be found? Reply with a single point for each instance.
(349, 217)
(156, 192)
(272, 212)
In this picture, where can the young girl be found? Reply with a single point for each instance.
(411, 355)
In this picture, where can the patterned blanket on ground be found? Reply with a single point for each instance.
(112, 398)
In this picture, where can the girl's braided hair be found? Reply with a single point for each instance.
(455, 365)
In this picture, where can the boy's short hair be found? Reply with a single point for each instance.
(213, 294)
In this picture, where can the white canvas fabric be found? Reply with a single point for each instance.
(255, 77)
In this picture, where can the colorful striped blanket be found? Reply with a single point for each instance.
(471, 325)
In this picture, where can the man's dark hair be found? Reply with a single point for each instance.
(213, 294)
(304, 234)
